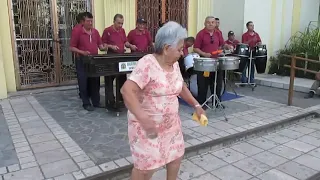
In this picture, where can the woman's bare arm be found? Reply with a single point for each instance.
(187, 96)
(130, 91)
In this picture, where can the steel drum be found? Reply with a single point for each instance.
(189, 61)
(205, 64)
(229, 63)
(242, 50)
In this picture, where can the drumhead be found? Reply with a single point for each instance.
(189, 60)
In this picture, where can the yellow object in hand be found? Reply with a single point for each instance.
(206, 74)
(203, 121)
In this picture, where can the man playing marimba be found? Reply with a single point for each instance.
(115, 38)
(84, 42)
(207, 41)
(140, 37)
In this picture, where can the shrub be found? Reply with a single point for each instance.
(303, 44)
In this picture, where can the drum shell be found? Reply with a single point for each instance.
(261, 64)
(229, 63)
(259, 51)
(205, 64)
(242, 50)
(243, 63)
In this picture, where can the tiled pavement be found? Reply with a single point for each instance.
(54, 138)
(289, 154)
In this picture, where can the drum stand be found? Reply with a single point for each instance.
(253, 85)
(214, 96)
(215, 99)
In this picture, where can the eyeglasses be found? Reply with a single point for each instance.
(212, 39)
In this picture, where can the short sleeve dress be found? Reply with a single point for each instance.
(159, 99)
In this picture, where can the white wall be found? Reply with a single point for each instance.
(231, 13)
(309, 12)
(258, 11)
(286, 22)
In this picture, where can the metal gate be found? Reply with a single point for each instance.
(41, 33)
(157, 12)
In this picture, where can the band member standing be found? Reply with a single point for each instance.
(251, 38)
(80, 21)
(232, 40)
(188, 42)
(140, 37)
(115, 39)
(218, 25)
(208, 40)
(84, 42)
(77, 27)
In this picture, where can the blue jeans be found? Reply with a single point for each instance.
(244, 78)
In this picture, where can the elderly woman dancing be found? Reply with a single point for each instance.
(150, 94)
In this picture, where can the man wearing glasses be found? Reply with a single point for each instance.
(208, 40)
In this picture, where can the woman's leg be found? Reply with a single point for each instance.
(173, 169)
(141, 175)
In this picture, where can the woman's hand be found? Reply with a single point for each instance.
(199, 111)
(148, 125)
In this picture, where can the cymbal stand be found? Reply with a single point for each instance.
(248, 83)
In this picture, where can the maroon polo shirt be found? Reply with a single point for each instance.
(204, 41)
(111, 36)
(217, 29)
(246, 37)
(141, 39)
(85, 41)
(233, 43)
(185, 50)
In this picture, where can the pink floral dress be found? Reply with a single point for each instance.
(159, 99)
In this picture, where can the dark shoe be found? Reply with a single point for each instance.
(309, 95)
(88, 107)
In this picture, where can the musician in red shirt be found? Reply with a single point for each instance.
(232, 40)
(251, 38)
(218, 25)
(140, 37)
(86, 41)
(188, 42)
(207, 41)
(115, 39)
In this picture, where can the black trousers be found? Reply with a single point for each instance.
(89, 87)
(110, 88)
(205, 82)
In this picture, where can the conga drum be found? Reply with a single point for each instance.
(243, 52)
(259, 52)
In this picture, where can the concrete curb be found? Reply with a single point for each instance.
(124, 171)
(279, 85)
